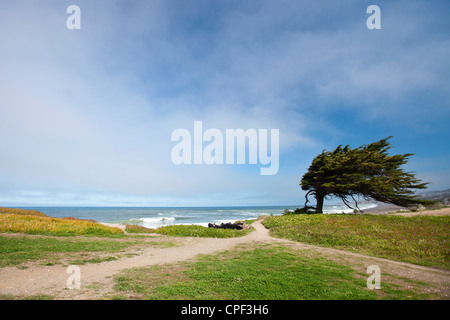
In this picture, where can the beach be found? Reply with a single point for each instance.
(155, 217)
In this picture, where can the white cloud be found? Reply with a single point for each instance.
(91, 112)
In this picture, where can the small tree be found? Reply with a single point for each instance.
(367, 171)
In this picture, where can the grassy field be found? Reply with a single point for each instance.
(256, 271)
(74, 244)
(421, 240)
(17, 250)
(266, 272)
(21, 212)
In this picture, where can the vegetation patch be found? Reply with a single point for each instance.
(200, 231)
(131, 228)
(421, 240)
(17, 250)
(32, 224)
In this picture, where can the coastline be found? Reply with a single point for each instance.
(148, 250)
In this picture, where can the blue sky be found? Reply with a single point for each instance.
(86, 115)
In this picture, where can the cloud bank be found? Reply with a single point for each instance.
(86, 115)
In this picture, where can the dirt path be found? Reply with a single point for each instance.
(51, 280)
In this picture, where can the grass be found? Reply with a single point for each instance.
(48, 250)
(421, 240)
(17, 250)
(200, 231)
(262, 273)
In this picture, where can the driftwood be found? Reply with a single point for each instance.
(228, 225)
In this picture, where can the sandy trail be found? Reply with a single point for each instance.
(51, 280)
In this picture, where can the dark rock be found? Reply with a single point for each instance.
(228, 225)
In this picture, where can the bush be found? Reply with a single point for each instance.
(304, 210)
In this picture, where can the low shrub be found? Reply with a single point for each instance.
(200, 231)
(21, 212)
(30, 224)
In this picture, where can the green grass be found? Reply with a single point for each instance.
(131, 228)
(78, 250)
(200, 231)
(421, 240)
(17, 250)
(266, 272)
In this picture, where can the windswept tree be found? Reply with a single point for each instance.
(367, 171)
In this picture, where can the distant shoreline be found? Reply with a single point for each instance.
(384, 208)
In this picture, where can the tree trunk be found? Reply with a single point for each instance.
(319, 205)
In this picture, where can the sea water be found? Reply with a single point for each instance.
(155, 217)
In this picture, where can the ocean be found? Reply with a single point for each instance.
(155, 217)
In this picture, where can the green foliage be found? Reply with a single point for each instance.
(367, 171)
(32, 224)
(200, 231)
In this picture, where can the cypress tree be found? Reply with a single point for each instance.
(367, 171)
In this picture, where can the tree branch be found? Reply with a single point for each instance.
(306, 197)
(356, 204)
(344, 199)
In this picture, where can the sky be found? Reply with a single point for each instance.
(86, 115)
